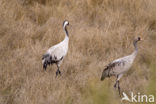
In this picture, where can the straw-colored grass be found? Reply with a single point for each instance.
(100, 31)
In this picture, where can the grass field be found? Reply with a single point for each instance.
(100, 31)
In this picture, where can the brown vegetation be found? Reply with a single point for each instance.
(100, 31)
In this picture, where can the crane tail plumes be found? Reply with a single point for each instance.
(47, 59)
(105, 74)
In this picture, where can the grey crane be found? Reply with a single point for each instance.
(119, 66)
(56, 53)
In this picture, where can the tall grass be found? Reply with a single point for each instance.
(100, 31)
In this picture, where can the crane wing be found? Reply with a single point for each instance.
(58, 53)
(52, 56)
(112, 69)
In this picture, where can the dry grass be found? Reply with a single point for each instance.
(100, 31)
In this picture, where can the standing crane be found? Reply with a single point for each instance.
(56, 53)
(119, 66)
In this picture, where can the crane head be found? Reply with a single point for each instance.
(65, 23)
(139, 39)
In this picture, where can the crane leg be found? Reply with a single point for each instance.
(45, 66)
(115, 85)
(58, 70)
(117, 82)
(119, 87)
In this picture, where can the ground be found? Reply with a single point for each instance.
(100, 31)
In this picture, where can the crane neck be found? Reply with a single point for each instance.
(135, 48)
(66, 31)
(66, 39)
(135, 45)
